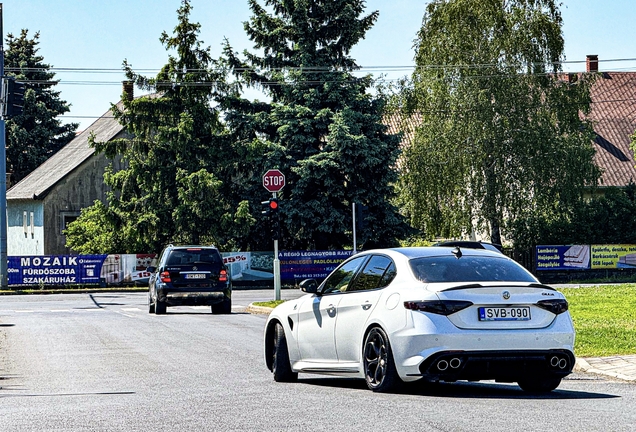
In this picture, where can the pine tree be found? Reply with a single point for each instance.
(37, 133)
(321, 127)
(171, 189)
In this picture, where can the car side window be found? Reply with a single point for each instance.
(374, 275)
(339, 280)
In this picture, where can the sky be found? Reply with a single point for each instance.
(79, 35)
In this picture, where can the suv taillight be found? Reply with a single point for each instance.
(165, 277)
(223, 275)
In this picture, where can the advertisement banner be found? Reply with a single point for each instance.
(565, 257)
(299, 265)
(294, 265)
(54, 269)
(613, 256)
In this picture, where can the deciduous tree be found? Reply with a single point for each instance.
(501, 136)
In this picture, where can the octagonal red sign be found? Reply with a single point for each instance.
(273, 180)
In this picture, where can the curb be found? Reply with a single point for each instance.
(582, 365)
(258, 310)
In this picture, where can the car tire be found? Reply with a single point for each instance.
(539, 385)
(225, 307)
(160, 307)
(281, 366)
(379, 368)
(151, 305)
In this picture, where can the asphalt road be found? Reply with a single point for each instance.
(100, 362)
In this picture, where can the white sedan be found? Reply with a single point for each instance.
(432, 313)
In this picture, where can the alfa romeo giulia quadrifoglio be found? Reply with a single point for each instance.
(431, 313)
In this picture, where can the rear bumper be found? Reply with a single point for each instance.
(194, 296)
(506, 366)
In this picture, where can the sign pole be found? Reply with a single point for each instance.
(3, 172)
(274, 181)
(276, 267)
(353, 209)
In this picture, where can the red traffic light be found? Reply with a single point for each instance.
(273, 204)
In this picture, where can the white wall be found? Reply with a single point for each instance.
(21, 241)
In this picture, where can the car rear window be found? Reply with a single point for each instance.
(191, 256)
(469, 269)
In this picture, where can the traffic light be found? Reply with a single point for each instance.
(15, 97)
(270, 207)
(270, 210)
(362, 212)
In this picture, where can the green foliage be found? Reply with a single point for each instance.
(93, 232)
(499, 135)
(37, 133)
(606, 219)
(322, 128)
(173, 187)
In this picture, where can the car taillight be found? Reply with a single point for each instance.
(556, 306)
(165, 277)
(440, 307)
(223, 276)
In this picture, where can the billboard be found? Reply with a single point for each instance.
(294, 265)
(586, 257)
(79, 269)
(563, 257)
(613, 256)
(54, 269)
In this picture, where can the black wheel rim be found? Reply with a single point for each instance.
(375, 358)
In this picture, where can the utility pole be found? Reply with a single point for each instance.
(3, 170)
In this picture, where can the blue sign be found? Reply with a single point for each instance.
(55, 269)
(570, 257)
(298, 265)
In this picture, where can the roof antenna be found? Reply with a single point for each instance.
(457, 252)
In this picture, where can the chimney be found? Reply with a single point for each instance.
(128, 90)
(591, 63)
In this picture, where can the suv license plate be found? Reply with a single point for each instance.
(507, 313)
(195, 276)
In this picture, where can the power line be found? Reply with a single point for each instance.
(313, 69)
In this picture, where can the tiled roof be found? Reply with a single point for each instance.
(43, 178)
(614, 116)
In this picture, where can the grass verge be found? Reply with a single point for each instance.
(271, 303)
(604, 319)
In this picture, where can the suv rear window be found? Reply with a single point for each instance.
(469, 269)
(194, 255)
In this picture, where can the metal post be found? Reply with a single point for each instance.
(3, 172)
(276, 265)
(354, 227)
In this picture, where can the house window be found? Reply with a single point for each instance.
(67, 218)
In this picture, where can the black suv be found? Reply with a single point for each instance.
(190, 276)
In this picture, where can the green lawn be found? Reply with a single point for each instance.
(604, 319)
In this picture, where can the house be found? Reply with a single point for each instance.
(613, 112)
(42, 204)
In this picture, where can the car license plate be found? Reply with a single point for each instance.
(504, 313)
(195, 276)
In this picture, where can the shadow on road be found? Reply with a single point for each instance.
(465, 390)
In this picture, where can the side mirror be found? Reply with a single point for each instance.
(151, 269)
(310, 286)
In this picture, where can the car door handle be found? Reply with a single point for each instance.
(366, 305)
(331, 310)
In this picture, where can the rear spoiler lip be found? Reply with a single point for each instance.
(479, 285)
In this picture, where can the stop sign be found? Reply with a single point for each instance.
(273, 180)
